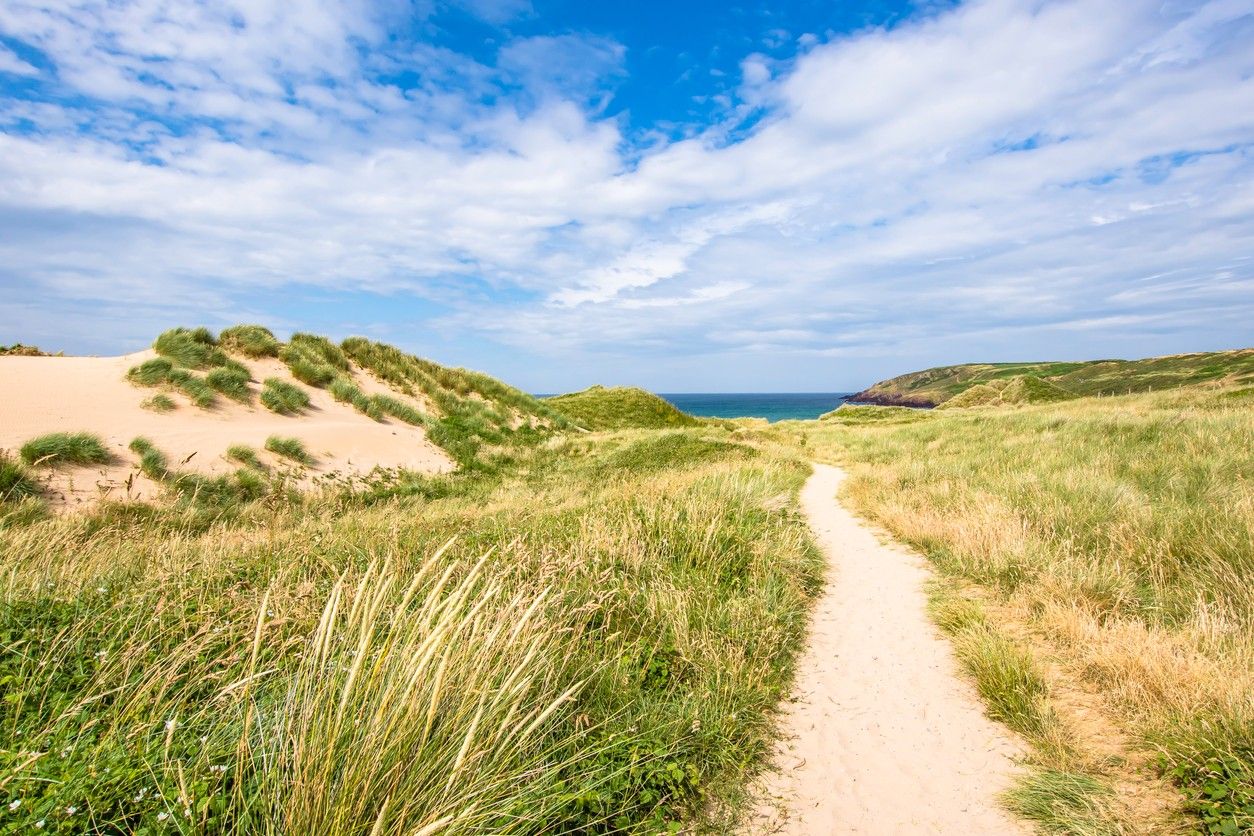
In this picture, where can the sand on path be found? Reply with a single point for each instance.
(882, 735)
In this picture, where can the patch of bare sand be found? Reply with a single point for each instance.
(67, 394)
(882, 735)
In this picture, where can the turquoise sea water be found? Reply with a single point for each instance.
(773, 406)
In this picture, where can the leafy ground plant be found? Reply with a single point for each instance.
(65, 448)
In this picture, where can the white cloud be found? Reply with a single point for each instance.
(12, 64)
(1006, 167)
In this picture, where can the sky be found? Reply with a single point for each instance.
(696, 196)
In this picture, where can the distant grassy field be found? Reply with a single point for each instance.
(1099, 377)
(588, 636)
(1114, 538)
(619, 407)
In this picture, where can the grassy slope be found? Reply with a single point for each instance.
(1104, 377)
(620, 407)
(1113, 536)
(589, 636)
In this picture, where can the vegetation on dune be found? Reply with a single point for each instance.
(1009, 391)
(289, 448)
(1118, 531)
(855, 414)
(19, 350)
(249, 340)
(532, 649)
(159, 403)
(65, 448)
(1097, 377)
(314, 360)
(161, 371)
(475, 412)
(192, 348)
(277, 395)
(16, 482)
(619, 408)
(152, 461)
(245, 455)
(231, 381)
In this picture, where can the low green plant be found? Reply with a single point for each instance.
(250, 340)
(245, 455)
(16, 482)
(282, 397)
(398, 409)
(192, 348)
(289, 448)
(197, 390)
(1073, 803)
(159, 403)
(231, 381)
(65, 448)
(152, 372)
(151, 460)
(312, 373)
(1219, 789)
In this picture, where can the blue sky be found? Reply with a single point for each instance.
(794, 196)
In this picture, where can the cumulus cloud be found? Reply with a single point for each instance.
(998, 177)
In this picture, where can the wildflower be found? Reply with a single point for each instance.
(15, 803)
(102, 590)
(162, 816)
(170, 724)
(39, 825)
(69, 811)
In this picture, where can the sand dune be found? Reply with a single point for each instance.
(49, 394)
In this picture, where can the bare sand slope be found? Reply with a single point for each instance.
(49, 394)
(882, 736)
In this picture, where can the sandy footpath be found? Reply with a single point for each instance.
(882, 735)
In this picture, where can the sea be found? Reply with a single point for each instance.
(773, 406)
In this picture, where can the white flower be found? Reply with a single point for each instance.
(15, 803)
(39, 825)
(170, 724)
(162, 816)
(69, 811)
(101, 589)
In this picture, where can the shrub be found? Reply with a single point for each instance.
(15, 481)
(151, 460)
(282, 397)
(159, 403)
(244, 454)
(58, 448)
(289, 448)
(231, 381)
(249, 340)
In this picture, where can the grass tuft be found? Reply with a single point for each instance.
(289, 448)
(65, 448)
(151, 460)
(245, 455)
(16, 482)
(231, 381)
(282, 397)
(192, 348)
(1064, 802)
(159, 403)
(250, 340)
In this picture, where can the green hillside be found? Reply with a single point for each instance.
(933, 387)
(619, 408)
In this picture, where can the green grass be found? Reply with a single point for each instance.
(193, 348)
(1118, 530)
(530, 650)
(152, 372)
(398, 409)
(1073, 803)
(16, 482)
(197, 389)
(249, 340)
(245, 455)
(617, 408)
(289, 448)
(1011, 391)
(65, 448)
(231, 381)
(159, 403)
(1097, 377)
(282, 397)
(853, 414)
(162, 371)
(152, 461)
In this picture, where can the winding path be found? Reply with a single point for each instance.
(881, 736)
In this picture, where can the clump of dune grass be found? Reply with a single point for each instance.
(289, 448)
(152, 462)
(198, 391)
(1074, 803)
(282, 397)
(245, 455)
(153, 372)
(159, 403)
(16, 482)
(161, 371)
(65, 448)
(231, 381)
(398, 409)
(314, 360)
(250, 340)
(193, 348)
